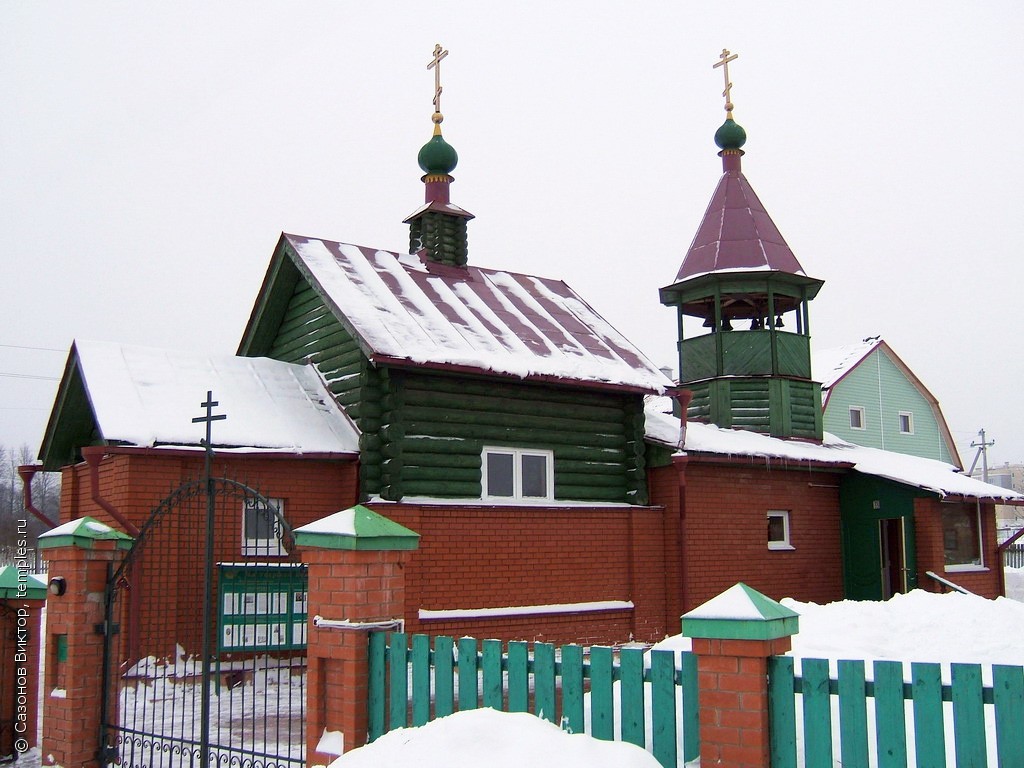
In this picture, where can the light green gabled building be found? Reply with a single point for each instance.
(870, 397)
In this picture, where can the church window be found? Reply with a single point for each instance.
(906, 423)
(961, 537)
(261, 531)
(778, 529)
(517, 474)
(856, 417)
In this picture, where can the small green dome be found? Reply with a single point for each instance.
(731, 135)
(437, 156)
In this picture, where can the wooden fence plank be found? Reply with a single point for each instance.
(929, 736)
(444, 676)
(399, 695)
(968, 716)
(663, 707)
(1008, 698)
(781, 711)
(420, 680)
(853, 715)
(817, 713)
(376, 699)
(492, 678)
(467, 674)
(602, 720)
(631, 696)
(890, 715)
(544, 681)
(572, 688)
(518, 677)
(691, 706)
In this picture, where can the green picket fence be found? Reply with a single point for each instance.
(412, 682)
(986, 721)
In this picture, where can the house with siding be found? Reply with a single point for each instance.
(871, 397)
(561, 486)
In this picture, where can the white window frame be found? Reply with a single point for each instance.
(980, 565)
(785, 543)
(910, 422)
(859, 410)
(517, 473)
(271, 546)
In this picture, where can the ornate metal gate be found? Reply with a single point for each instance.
(205, 636)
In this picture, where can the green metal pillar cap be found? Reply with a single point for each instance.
(741, 613)
(85, 533)
(16, 584)
(356, 528)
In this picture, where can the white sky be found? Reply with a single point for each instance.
(150, 154)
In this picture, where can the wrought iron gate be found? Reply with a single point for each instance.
(205, 657)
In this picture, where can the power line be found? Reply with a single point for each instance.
(28, 376)
(36, 349)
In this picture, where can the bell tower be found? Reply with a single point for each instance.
(742, 302)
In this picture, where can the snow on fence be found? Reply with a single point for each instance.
(610, 693)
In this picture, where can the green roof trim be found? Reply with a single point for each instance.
(84, 533)
(16, 584)
(741, 613)
(357, 528)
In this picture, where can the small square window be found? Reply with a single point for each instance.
(856, 417)
(515, 473)
(906, 423)
(261, 530)
(778, 529)
(961, 537)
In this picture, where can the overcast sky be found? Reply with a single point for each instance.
(151, 154)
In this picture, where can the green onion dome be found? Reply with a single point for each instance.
(437, 157)
(729, 136)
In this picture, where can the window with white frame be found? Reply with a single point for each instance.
(906, 423)
(778, 529)
(961, 537)
(856, 417)
(518, 474)
(261, 531)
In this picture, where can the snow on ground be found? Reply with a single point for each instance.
(496, 739)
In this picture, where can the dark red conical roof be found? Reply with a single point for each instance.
(736, 234)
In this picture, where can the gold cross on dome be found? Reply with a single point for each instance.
(435, 64)
(725, 58)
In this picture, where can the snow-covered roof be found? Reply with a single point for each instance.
(927, 474)
(830, 365)
(144, 396)
(405, 310)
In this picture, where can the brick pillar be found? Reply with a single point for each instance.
(22, 597)
(356, 561)
(79, 554)
(733, 636)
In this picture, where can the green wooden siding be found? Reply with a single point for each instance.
(745, 353)
(777, 406)
(879, 387)
(434, 429)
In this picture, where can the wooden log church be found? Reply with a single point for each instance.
(563, 487)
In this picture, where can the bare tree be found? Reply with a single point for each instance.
(17, 526)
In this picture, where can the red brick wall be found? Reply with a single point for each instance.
(725, 531)
(474, 557)
(930, 551)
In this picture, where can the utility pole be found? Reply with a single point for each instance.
(982, 447)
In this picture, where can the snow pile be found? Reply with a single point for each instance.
(497, 740)
(918, 626)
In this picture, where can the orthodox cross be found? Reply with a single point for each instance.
(725, 58)
(209, 418)
(435, 64)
